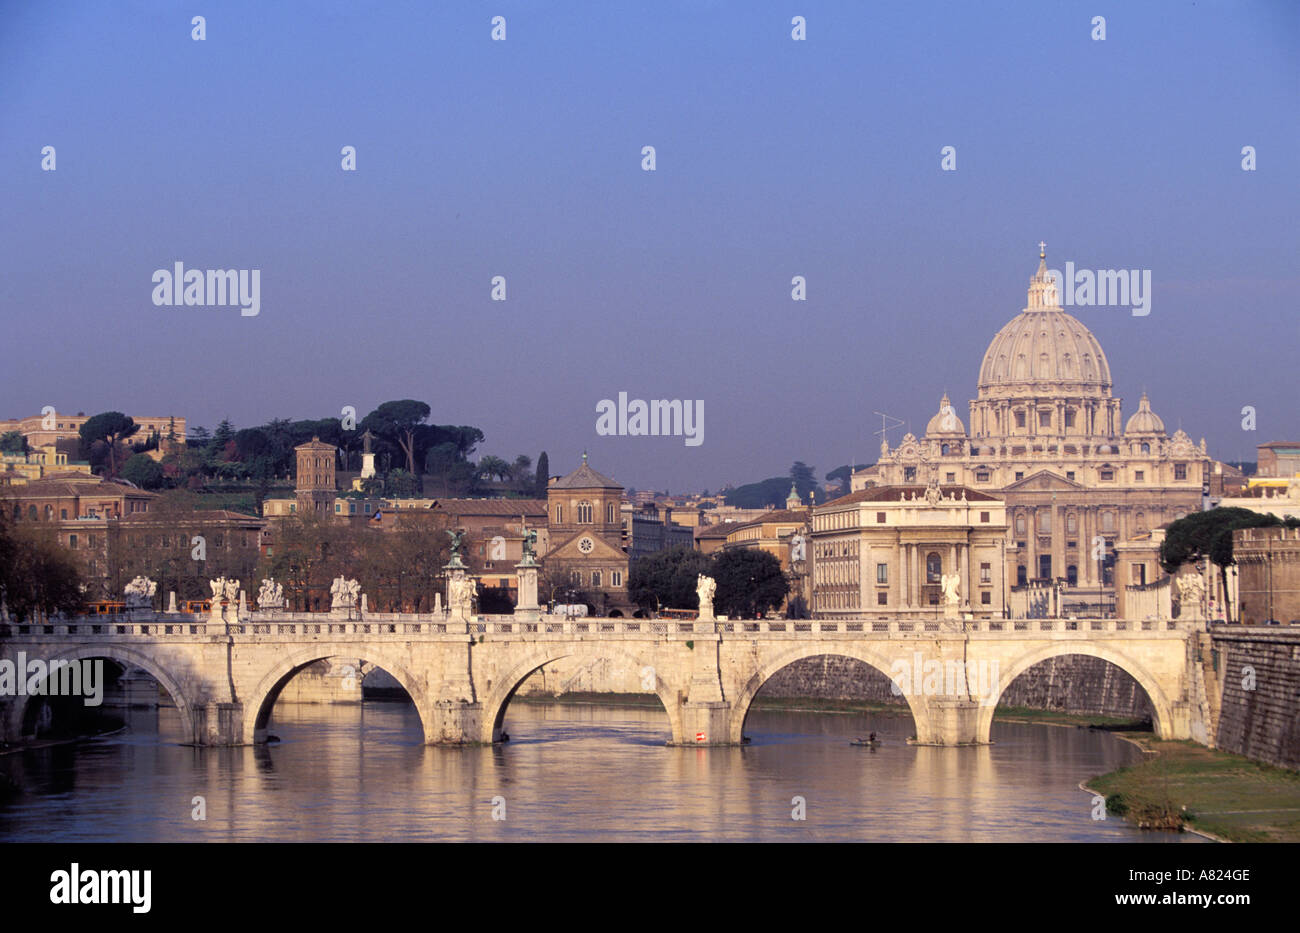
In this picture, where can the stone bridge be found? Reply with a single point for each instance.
(462, 673)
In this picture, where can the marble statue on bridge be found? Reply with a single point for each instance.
(139, 593)
(705, 587)
(344, 593)
(270, 595)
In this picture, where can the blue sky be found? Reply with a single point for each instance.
(522, 158)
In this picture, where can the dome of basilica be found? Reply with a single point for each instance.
(946, 421)
(1044, 351)
(1144, 420)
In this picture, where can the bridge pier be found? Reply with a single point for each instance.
(707, 722)
(950, 721)
(457, 722)
(219, 724)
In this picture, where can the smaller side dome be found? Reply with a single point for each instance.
(1144, 420)
(946, 421)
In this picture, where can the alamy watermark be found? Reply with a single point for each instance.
(1105, 287)
(659, 416)
(205, 288)
(916, 676)
(59, 677)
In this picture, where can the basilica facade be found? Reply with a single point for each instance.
(1045, 434)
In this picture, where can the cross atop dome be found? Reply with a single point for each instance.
(1042, 250)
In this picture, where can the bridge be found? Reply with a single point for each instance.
(461, 672)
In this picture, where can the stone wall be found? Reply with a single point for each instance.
(1073, 683)
(1259, 672)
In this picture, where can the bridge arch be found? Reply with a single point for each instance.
(741, 703)
(1161, 710)
(259, 704)
(503, 691)
(125, 655)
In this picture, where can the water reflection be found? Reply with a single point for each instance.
(571, 772)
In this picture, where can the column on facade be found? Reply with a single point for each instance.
(866, 574)
(964, 561)
(1031, 543)
(1058, 541)
(905, 575)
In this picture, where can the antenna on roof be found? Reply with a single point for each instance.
(885, 427)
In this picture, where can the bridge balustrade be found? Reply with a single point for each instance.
(307, 625)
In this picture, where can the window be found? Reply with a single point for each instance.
(1022, 575)
(559, 515)
(944, 450)
(1107, 475)
(1072, 575)
(72, 542)
(1180, 471)
(1069, 417)
(1107, 521)
(933, 568)
(1138, 574)
(986, 598)
(595, 578)
(982, 476)
(1069, 474)
(293, 507)
(616, 578)
(984, 516)
(1045, 522)
(986, 573)
(950, 477)
(882, 598)
(63, 513)
(1072, 523)
(338, 507)
(584, 513)
(1019, 475)
(31, 513)
(909, 475)
(1139, 476)
(1044, 419)
(1020, 524)
(880, 518)
(1146, 448)
(610, 518)
(882, 573)
(1020, 419)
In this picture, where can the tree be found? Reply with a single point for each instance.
(750, 582)
(804, 478)
(400, 483)
(667, 579)
(397, 421)
(844, 475)
(490, 466)
(772, 491)
(543, 477)
(37, 575)
(521, 472)
(144, 471)
(110, 427)
(13, 442)
(1209, 535)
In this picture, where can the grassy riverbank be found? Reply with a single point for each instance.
(1185, 784)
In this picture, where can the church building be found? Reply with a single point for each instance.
(1045, 434)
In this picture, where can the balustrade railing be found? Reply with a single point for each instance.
(316, 626)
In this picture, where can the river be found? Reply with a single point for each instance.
(572, 772)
